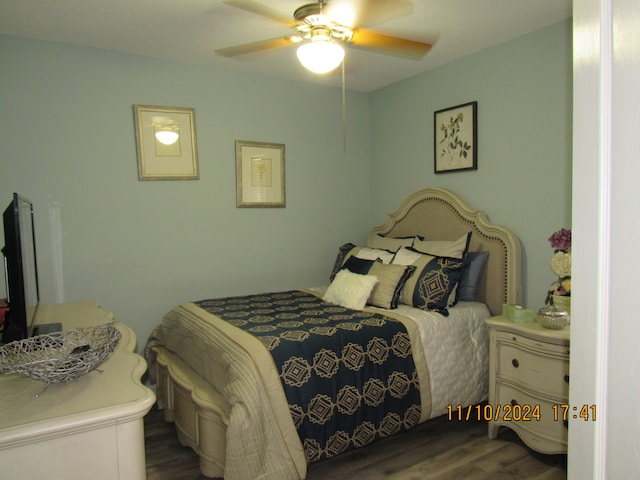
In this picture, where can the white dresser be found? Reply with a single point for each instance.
(88, 428)
(529, 383)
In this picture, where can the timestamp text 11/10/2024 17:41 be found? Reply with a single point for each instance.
(521, 413)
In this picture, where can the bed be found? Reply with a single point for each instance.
(225, 373)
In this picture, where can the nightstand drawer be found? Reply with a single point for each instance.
(543, 370)
(550, 427)
(533, 344)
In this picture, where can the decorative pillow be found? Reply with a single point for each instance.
(474, 263)
(406, 256)
(431, 285)
(444, 248)
(385, 256)
(391, 280)
(389, 243)
(349, 249)
(358, 265)
(350, 290)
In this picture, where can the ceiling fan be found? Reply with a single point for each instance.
(323, 27)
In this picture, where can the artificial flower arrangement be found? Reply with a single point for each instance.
(560, 264)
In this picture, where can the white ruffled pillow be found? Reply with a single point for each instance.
(350, 290)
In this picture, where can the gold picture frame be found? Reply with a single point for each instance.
(260, 179)
(175, 158)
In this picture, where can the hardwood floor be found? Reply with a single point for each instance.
(438, 449)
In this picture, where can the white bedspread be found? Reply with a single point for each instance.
(457, 352)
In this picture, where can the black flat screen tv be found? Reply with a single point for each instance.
(21, 269)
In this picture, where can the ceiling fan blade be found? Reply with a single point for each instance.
(260, 9)
(252, 47)
(352, 13)
(399, 47)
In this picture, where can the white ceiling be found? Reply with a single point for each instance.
(191, 30)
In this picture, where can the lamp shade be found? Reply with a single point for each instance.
(320, 56)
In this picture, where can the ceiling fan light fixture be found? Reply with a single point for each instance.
(320, 55)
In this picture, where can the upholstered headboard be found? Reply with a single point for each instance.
(438, 214)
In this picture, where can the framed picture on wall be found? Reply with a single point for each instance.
(259, 174)
(455, 144)
(166, 143)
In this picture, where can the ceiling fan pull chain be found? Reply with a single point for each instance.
(344, 110)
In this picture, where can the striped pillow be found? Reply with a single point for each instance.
(391, 280)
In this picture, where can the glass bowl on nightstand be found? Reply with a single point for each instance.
(552, 317)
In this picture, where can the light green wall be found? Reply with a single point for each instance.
(523, 181)
(67, 143)
(140, 248)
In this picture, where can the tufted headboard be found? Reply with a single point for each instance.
(438, 214)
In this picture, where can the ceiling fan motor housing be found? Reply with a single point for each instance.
(307, 10)
(313, 23)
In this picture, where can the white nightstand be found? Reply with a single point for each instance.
(529, 383)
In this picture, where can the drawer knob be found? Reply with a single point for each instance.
(515, 362)
(566, 378)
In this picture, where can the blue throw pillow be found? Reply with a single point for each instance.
(474, 266)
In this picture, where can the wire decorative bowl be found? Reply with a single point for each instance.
(61, 356)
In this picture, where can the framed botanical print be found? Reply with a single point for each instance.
(455, 143)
